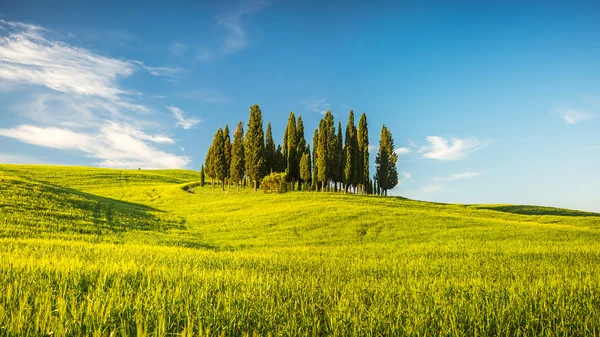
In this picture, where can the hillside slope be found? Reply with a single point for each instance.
(132, 252)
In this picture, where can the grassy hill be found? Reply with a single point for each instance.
(87, 251)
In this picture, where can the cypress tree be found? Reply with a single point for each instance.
(387, 173)
(339, 151)
(269, 151)
(279, 160)
(351, 153)
(227, 142)
(210, 168)
(305, 167)
(331, 145)
(255, 146)
(219, 160)
(322, 155)
(238, 162)
(300, 146)
(363, 152)
(292, 144)
(315, 178)
(202, 176)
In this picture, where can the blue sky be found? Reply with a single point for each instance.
(488, 102)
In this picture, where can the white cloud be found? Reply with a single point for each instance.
(317, 104)
(115, 145)
(181, 120)
(433, 188)
(159, 71)
(572, 116)
(458, 176)
(442, 149)
(236, 38)
(402, 150)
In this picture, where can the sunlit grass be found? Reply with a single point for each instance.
(94, 252)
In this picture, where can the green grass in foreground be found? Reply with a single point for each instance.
(87, 251)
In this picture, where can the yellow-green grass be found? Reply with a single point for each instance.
(86, 251)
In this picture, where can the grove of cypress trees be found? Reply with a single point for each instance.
(363, 153)
(238, 162)
(269, 151)
(255, 146)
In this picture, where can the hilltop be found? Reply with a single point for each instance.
(149, 251)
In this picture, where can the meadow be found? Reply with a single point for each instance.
(101, 252)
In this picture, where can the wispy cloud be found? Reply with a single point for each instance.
(458, 176)
(572, 116)
(402, 151)
(82, 107)
(181, 120)
(236, 38)
(160, 71)
(317, 104)
(115, 145)
(453, 149)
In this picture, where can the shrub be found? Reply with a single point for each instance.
(275, 182)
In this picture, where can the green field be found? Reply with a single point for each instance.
(86, 251)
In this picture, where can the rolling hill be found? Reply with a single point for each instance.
(90, 251)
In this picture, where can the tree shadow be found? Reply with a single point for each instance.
(538, 210)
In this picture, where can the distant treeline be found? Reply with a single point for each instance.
(336, 163)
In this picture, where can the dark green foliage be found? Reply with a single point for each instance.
(275, 183)
(202, 176)
(227, 143)
(238, 162)
(218, 155)
(351, 153)
(387, 173)
(300, 144)
(315, 177)
(255, 146)
(279, 160)
(363, 153)
(339, 152)
(305, 173)
(208, 162)
(269, 151)
(322, 155)
(292, 170)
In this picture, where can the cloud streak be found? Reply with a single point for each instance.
(181, 120)
(459, 176)
(572, 116)
(115, 145)
(453, 149)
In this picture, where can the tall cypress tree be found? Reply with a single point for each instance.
(305, 167)
(322, 155)
(315, 178)
(279, 160)
(269, 151)
(238, 161)
(363, 153)
(210, 167)
(331, 145)
(300, 146)
(202, 176)
(292, 144)
(339, 152)
(219, 160)
(387, 173)
(351, 153)
(227, 143)
(255, 146)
